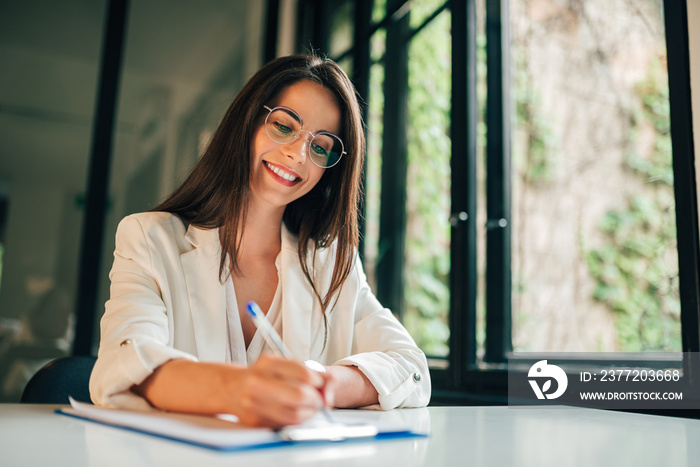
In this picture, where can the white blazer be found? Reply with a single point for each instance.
(166, 302)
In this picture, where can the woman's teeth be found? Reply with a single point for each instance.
(281, 172)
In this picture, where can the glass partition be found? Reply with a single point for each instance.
(180, 73)
(49, 57)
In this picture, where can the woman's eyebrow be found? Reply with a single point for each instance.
(320, 130)
(326, 131)
(287, 108)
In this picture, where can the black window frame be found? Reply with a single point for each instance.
(466, 380)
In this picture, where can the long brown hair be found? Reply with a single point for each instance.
(216, 192)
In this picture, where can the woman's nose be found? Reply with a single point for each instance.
(299, 148)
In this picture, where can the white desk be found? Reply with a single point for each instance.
(32, 435)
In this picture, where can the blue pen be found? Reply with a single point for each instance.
(268, 332)
(274, 340)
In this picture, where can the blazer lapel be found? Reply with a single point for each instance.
(301, 316)
(207, 295)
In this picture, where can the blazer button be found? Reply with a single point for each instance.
(416, 377)
(125, 342)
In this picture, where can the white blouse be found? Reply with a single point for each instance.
(237, 352)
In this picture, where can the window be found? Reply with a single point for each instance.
(407, 248)
(584, 234)
(524, 190)
(593, 211)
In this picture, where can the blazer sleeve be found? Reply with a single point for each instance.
(386, 353)
(135, 334)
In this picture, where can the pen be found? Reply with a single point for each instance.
(274, 340)
(268, 332)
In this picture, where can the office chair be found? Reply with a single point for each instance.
(58, 379)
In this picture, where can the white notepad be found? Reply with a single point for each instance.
(225, 433)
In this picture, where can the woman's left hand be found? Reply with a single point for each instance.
(349, 388)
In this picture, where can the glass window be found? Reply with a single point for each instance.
(177, 83)
(373, 176)
(428, 203)
(342, 28)
(378, 10)
(594, 258)
(570, 241)
(422, 10)
(49, 57)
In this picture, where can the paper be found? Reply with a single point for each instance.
(225, 433)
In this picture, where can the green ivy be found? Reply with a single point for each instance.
(427, 296)
(538, 146)
(636, 269)
(655, 166)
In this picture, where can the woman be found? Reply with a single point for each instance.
(268, 214)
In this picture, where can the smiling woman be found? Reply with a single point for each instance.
(266, 219)
(285, 162)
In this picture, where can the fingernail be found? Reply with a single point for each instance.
(329, 398)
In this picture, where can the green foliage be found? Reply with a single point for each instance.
(378, 10)
(535, 156)
(656, 165)
(636, 269)
(427, 296)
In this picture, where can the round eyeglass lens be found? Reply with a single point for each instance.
(282, 126)
(325, 149)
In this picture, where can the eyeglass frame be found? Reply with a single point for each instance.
(294, 113)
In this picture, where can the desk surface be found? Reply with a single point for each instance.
(32, 435)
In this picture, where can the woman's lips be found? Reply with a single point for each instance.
(280, 175)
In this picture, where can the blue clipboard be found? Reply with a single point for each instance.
(223, 434)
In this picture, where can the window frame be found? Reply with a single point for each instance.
(465, 379)
(498, 310)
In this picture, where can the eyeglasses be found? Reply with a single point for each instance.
(283, 125)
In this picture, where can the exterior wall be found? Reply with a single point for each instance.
(694, 40)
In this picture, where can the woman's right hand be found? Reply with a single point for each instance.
(272, 392)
